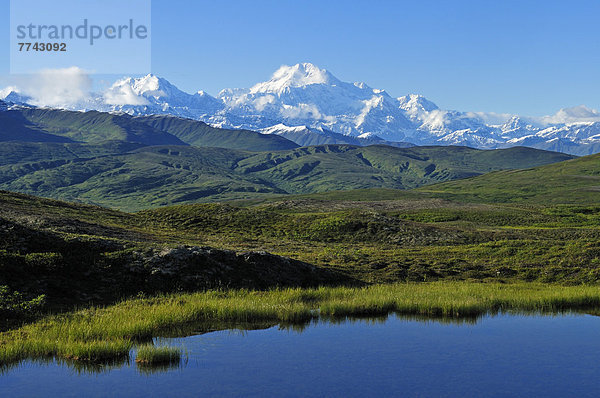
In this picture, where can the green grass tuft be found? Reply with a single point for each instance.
(153, 355)
(102, 334)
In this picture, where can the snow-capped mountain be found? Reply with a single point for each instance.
(154, 95)
(305, 95)
(516, 127)
(310, 105)
(11, 94)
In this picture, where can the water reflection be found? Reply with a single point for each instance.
(87, 368)
(194, 329)
(200, 328)
(76, 367)
(181, 332)
(149, 369)
(496, 355)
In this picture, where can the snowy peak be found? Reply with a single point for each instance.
(304, 94)
(416, 106)
(416, 101)
(298, 75)
(278, 128)
(513, 123)
(369, 136)
(157, 95)
(322, 110)
(516, 127)
(139, 90)
(13, 95)
(5, 92)
(152, 86)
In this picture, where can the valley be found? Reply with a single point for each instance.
(116, 213)
(315, 199)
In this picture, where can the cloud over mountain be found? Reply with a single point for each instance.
(313, 98)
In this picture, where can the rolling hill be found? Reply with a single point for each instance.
(26, 124)
(197, 133)
(575, 181)
(128, 177)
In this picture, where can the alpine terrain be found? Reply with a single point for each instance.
(310, 106)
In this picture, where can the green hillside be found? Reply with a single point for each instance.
(197, 133)
(93, 126)
(73, 254)
(327, 137)
(14, 152)
(51, 125)
(570, 182)
(132, 179)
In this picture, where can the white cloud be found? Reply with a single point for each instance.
(261, 102)
(576, 114)
(56, 87)
(491, 117)
(122, 93)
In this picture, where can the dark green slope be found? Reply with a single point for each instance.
(307, 137)
(51, 125)
(153, 176)
(14, 127)
(198, 133)
(13, 153)
(343, 167)
(94, 127)
(573, 181)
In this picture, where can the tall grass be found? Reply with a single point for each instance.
(98, 334)
(153, 355)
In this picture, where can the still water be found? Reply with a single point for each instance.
(504, 355)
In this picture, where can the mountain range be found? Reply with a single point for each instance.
(135, 162)
(309, 105)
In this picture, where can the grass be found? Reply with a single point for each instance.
(153, 355)
(404, 240)
(99, 334)
(77, 255)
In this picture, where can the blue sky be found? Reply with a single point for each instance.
(527, 57)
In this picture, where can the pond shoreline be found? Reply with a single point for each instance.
(104, 333)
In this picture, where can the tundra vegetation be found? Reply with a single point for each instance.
(86, 283)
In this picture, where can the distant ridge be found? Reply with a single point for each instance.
(306, 96)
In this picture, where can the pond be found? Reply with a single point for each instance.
(502, 355)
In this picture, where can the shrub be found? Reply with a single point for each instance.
(15, 305)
